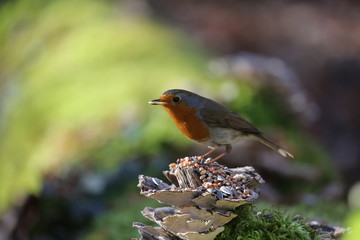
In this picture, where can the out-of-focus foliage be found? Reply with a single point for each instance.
(74, 73)
(116, 224)
(353, 222)
(75, 80)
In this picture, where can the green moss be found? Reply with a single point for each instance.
(332, 211)
(267, 224)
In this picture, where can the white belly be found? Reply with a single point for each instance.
(223, 136)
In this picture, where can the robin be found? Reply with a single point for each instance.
(208, 122)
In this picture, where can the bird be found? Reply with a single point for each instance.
(208, 122)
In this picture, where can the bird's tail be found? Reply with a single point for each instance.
(274, 146)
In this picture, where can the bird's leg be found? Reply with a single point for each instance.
(227, 150)
(206, 155)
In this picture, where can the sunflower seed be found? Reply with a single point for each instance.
(226, 190)
(211, 190)
(156, 181)
(219, 195)
(220, 178)
(239, 176)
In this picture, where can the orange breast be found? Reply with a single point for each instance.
(186, 120)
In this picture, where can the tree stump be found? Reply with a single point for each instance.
(202, 196)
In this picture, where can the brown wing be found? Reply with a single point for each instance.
(217, 115)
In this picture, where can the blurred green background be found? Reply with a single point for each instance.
(71, 80)
(76, 129)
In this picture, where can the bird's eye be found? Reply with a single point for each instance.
(176, 99)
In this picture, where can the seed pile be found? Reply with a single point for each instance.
(219, 179)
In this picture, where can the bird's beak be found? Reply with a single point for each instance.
(157, 102)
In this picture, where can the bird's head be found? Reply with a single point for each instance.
(177, 99)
